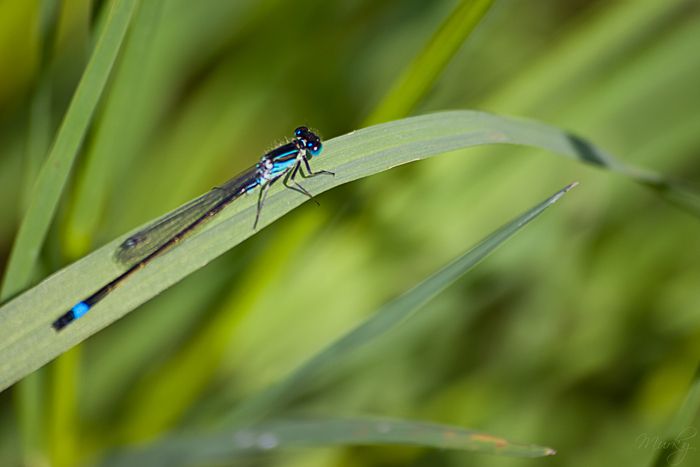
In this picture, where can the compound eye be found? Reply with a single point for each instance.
(300, 131)
(315, 148)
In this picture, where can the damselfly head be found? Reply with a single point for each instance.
(310, 140)
(314, 147)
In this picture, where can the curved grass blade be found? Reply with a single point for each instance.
(384, 320)
(54, 173)
(26, 338)
(229, 446)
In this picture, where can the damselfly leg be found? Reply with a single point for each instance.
(312, 174)
(298, 188)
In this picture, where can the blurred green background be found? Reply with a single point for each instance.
(583, 333)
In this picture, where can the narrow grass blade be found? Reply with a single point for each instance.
(124, 111)
(54, 173)
(676, 443)
(39, 127)
(27, 340)
(384, 320)
(230, 446)
(414, 83)
(29, 400)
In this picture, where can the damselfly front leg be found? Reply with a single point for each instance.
(298, 188)
(311, 173)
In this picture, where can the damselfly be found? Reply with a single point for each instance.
(283, 163)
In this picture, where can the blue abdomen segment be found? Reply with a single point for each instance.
(71, 315)
(80, 309)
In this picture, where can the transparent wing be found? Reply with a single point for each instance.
(147, 240)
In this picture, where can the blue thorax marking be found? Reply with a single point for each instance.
(284, 156)
(278, 167)
(283, 153)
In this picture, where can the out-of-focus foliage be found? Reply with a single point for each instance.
(582, 334)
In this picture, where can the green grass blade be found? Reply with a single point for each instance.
(384, 320)
(124, 111)
(673, 448)
(414, 83)
(54, 173)
(39, 127)
(61, 420)
(27, 340)
(29, 401)
(270, 437)
(51, 179)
